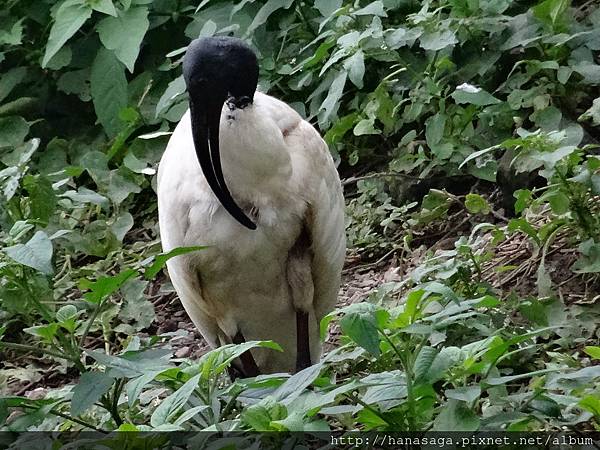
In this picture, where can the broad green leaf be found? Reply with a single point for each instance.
(41, 196)
(551, 11)
(423, 362)
(124, 34)
(134, 364)
(109, 90)
(69, 18)
(467, 93)
(372, 9)
(589, 262)
(10, 79)
(161, 259)
(591, 403)
(365, 126)
(331, 103)
(456, 416)
(360, 325)
(36, 253)
(464, 393)
(297, 383)
(437, 40)
(13, 130)
(91, 386)
(265, 11)
(174, 90)
(104, 6)
(174, 402)
(593, 351)
(476, 204)
(105, 286)
(46, 332)
(135, 386)
(434, 128)
(355, 65)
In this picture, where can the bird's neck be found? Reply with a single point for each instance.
(254, 157)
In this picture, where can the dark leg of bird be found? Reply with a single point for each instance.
(303, 346)
(248, 364)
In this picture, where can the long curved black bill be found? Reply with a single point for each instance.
(205, 132)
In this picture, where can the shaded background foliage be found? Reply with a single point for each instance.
(425, 105)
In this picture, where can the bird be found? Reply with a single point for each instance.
(244, 175)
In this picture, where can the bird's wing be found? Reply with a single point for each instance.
(316, 181)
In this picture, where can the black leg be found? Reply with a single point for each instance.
(303, 347)
(249, 367)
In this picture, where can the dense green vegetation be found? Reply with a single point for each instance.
(493, 320)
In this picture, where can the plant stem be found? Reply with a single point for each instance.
(30, 348)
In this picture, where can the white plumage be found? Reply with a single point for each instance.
(253, 282)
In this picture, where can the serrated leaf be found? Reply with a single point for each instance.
(69, 18)
(423, 362)
(105, 286)
(124, 34)
(36, 253)
(91, 386)
(434, 128)
(109, 90)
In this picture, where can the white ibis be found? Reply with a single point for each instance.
(244, 174)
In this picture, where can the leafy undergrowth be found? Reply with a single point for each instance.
(458, 311)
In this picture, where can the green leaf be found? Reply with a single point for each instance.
(331, 103)
(161, 259)
(134, 364)
(437, 40)
(360, 325)
(69, 18)
(464, 393)
(36, 253)
(365, 126)
(456, 416)
(355, 65)
(46, 332)
(109, 90)
(265, 12)
(592, 113)
(423, 362)
(551, 11)
(13, 130)
(589, 262)
(135, 386)
(297, 383)
(10, 79)
(105, 286)
(591, 403)
(434, 128)
(173, 403)
(476, 204)
(594, 352)
(91, 387)
(41, 196)
(467, 93)
(104, 6)
(174, 91)
(372, 9)
(124, 34)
